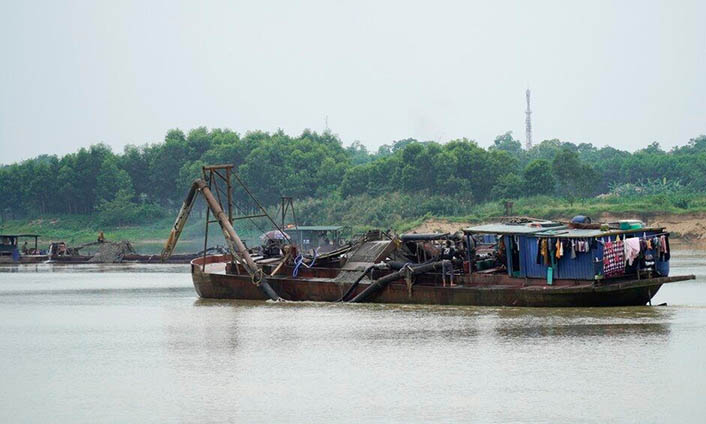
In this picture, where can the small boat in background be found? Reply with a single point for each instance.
(12, 253)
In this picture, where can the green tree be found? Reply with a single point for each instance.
(112, 179)
(358, 153)
(509, 186)
(573, 178)
(538, 178)
(506, 143)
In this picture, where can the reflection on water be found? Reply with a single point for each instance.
(586, 330)
(134, 344)
(585, 322)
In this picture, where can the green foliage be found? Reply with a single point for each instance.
(647, 187)
(509, 186)
(385, 211)
(423, 177)
(573, 178)
(121, 210)
(538, 178)
(111, 180)
(508, 144)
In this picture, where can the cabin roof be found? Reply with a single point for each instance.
(561, 231)
(507, 229)
(19, 235)
(586, 233)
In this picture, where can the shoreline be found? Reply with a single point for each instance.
(688, 229)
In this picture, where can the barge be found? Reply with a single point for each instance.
(59, 253)
(12, 253)
(520, 262)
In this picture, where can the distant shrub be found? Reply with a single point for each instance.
(122, 210)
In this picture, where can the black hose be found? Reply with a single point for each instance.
(269, 291)
(424, 237)
(380, 283)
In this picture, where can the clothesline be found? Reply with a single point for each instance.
(645, 237)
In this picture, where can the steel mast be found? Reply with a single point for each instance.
(528, 123)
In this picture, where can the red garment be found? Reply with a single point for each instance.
(613, 259)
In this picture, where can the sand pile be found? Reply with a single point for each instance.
(111, 252)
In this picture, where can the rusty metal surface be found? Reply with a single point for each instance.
(368, 253)
(628, 293)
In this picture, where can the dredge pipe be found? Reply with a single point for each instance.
(382, 282)
(355, 284)
(425, 237)
(236, 245)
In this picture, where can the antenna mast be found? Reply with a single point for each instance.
(528, 123)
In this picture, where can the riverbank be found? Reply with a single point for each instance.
(688, 225)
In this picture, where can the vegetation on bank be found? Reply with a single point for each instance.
(398, 212)
(402, 212)
(135, 194)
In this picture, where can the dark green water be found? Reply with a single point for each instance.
(134, 344)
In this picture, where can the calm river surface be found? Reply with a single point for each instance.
(133, 343)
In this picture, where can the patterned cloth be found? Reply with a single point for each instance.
(613, 259)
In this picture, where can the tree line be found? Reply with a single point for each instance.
(145, 181)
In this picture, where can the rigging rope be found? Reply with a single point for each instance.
(299, 261)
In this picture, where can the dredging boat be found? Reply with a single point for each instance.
(518, 262)
(11, 252)
(59, 252)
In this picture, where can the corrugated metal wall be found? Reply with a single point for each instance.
(488, 238)
(530, 268)
(582, 267)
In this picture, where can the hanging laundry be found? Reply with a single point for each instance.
(613, 259)
(545, 252)
(594, 244)
(559, 249)
(573, 249)
(631, 249)
(664, 254)
(582, 246)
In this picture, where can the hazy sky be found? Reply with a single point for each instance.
(610, 73)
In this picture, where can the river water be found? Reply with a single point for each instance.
(132, 343)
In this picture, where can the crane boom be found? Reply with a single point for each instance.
(181, 218)
(235, 244)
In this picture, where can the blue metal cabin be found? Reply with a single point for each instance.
(583, 267)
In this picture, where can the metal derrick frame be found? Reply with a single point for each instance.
(212, 174)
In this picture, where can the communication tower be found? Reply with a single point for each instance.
(528, 123)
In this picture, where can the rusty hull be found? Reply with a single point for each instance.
(320, 285)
